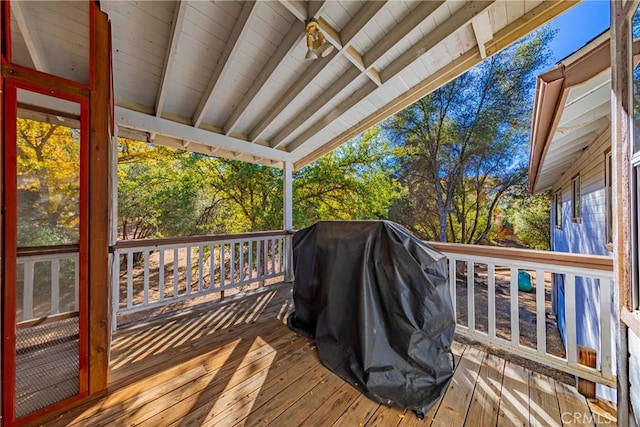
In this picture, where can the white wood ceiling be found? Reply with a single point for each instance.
(229, 77)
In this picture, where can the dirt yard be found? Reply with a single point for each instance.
(527, 316)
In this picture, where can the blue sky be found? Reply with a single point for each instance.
(579, 25)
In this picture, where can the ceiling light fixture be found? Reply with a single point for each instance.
(317, 45)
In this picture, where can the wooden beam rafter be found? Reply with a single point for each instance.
(355, 26)
(176, 31)
(416, 17)
(501, 39)
(424, 10)
(297, 8)
(305, 115)
(291, 93)
(30, 36)
(460, 18)
(155, 125)
(482, 30)
(226, 58)
(284, 49)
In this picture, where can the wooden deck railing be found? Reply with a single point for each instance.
(48, 281)
(465, 259)
(150, 273)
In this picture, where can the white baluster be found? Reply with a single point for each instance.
(471, 304)
(188, 271)
(27, 291)
(176, 271)
(605, 327)
(145, 277)
(161, 275)
(55, 286)
(515, 308)
(491, 294)
(570, 318)
(541, 310)
(129, 279)
(452, 285)
(200, 268)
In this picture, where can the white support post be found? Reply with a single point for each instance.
(288, 219)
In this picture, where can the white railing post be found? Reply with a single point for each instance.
(452, 285)
(570, 318)
(515, 307)
(606, 362)
(471, 300)
(541, 311)
(55, 286)
(288, 221)
(115, 286)
(491, 293)
(27, 291)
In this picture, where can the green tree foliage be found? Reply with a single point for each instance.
(463, 145)
(48, 183)
(158, 193)
(530, 217)
(165, 192)
(353, 182)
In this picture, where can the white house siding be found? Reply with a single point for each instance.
(584, 237)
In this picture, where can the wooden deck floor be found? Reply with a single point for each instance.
(238, 364)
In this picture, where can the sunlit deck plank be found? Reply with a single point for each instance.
(332, 408)
(572, 403)
(486, 396)
(358, 413)
(242, 366)
(514, 402)
(455, 403)
(543, 402)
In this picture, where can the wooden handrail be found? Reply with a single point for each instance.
(596, 262)
(48, 250)
(128, 244)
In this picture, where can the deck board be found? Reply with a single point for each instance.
(237, 364)
(483, 411)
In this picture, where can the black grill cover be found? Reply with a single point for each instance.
(376, 300)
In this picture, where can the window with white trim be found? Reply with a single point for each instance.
(608, 198)
(557, 208)
(575, 199)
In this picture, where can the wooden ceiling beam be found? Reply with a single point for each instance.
(416, 17)
(333, 115)
(30, 36)
(285, 48)
(317, 67)
(297, 8)
(366, 13)
(222, 67)
(482, 31)
(345, 48)
(162, 127)
(174, 39)
(522, 26)
(459, 19)
(355, 25)
(305, 115)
